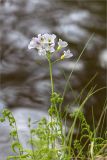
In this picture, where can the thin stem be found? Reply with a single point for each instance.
(67, 82)
(17, 136)
(31, 138)
(51, 77)
(56, 61)
(52, 87)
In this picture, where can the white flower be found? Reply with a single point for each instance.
(43, 43)
(49, 38)
(32, 43)
(67, 54)
(42, 52)
(62, 44)
(49, 42)
(49, 47)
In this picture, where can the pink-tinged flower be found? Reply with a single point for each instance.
(33, 43)
(49, 47)
(49, 42)
(62, 44)
(43, 43)
(67, 54)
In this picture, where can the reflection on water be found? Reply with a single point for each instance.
(24, 76)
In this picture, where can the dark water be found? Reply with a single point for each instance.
(24, 76)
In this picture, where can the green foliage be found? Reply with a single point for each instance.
(88, 139)
(50, 141)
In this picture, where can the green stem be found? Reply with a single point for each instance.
(51, 78)
(17, 136)
(52, 86)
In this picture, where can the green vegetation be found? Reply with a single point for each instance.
(52, 140)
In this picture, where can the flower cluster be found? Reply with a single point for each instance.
(45, 43)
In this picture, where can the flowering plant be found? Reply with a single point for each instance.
(50, 140)
(45, 44)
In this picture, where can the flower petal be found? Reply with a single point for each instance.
(68, 54)
(42, 52)
(32, 44)
(62, 44)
